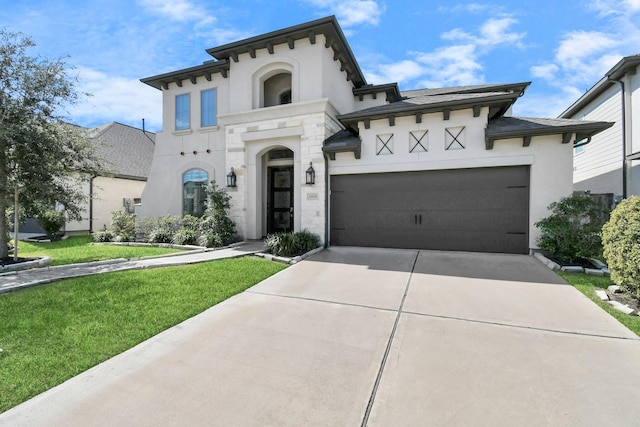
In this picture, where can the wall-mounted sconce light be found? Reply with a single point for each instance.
(231, 179)
(311, 175)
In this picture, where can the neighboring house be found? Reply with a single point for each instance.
(127, 153)
(610, 163)
(312, 146)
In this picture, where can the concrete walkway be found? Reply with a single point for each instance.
(371, 337)
(38, 276)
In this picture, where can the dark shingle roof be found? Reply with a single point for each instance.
(127, 151)
(519, 127)
(495, 87)
(499, 96)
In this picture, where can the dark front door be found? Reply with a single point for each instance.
(280, 203)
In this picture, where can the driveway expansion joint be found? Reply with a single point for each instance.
(509, 325)
(383, 363)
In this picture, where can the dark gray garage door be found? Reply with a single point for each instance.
(478, 210)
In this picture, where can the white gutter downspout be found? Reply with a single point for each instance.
(624, 136)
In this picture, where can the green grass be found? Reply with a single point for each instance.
(80, 249)
(51, 333)
(588, 284)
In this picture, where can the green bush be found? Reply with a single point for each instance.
(123, 226)
(215, 220)
(292, 244)
(161, 235)
(210, 240)
(51, 221)
(573, 230)
(159, 229)
(185, 236)
(621, 241)
(103, 236)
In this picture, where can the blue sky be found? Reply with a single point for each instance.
(562, 46)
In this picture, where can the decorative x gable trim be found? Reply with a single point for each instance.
(418, 141)
(384, 144)
(454, 138)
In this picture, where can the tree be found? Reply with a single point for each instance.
(45, 158)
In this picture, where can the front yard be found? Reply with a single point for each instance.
(51, 333)
(81, 249)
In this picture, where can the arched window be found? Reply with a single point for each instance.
(194, 192)
(277, 90)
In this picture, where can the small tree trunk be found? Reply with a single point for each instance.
(4, 243)
(16, 224)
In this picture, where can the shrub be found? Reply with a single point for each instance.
(573, 229)
(292, 244)
(185, 236)
(190, 222)
(621, 241)
(123, 226)
(215, 219)
(103, 236)
(161, 235)
(210, 240)
(158, 230)
(51, 221)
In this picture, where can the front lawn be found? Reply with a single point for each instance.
(81, 249)
(588, 284)
(51, 333)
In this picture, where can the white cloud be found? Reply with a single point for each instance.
(178, 10)
(614, 7)
(457, 64)
(123, 100)
(468, 7)
(352, 12)
(545, 71)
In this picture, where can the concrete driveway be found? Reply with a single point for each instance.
(377, 337)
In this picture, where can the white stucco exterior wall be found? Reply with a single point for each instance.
(548, 158)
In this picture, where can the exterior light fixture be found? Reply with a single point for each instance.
(311, 175)
(231, 179)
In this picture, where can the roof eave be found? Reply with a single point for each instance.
(205, 70)
(581, 131)
(505, 101)
(327, 26)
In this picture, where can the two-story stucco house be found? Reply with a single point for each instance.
(312, 146)
(610, 163)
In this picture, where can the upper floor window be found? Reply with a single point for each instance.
(208, 108)
(183, 112)
(277, 90)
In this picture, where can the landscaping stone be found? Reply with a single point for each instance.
(602, 295)
(546, 261)
(615, 289)
(621, 307)
(573, 269)
(594, 272)
(596, 262)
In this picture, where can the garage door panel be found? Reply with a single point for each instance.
(485, 209)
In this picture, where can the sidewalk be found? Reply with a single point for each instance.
(38, 276)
